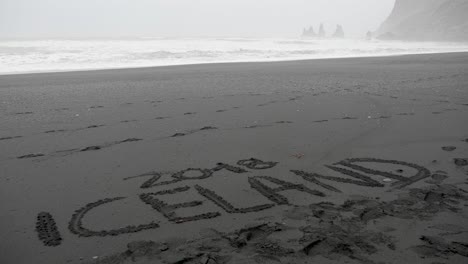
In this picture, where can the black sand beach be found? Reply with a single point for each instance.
(361, 160)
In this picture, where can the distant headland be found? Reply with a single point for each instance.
(426, 20)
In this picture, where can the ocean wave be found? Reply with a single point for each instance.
(65, 55)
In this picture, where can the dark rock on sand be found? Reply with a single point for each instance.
(449, 148)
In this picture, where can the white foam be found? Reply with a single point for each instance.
(67, 55)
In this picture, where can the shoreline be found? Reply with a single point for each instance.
(223, 63)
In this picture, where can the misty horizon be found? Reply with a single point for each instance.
(53, 19)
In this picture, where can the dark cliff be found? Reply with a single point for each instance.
(427, 20)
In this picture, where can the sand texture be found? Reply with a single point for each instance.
(329, 161)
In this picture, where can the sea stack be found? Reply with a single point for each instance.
(309, 33)
(339, 32)
(321, 33)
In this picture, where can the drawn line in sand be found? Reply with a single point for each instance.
(422, 172)
(256, 164)
(76, 225)
(168, 209)
(226, 206)
(204, 173)
(339, 233)
(363, 180)
(272, 193)
(47, 231)
(177, 177)
(222, 166)
(180, 175)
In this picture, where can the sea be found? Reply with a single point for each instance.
(32, 56)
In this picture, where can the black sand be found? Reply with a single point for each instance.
(327, 161)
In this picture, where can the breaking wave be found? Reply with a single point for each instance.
(67, 55)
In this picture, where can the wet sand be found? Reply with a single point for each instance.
(359, 160)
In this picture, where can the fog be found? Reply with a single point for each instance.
(185, 18)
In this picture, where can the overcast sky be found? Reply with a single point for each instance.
(185, 18)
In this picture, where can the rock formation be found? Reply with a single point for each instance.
(321, 33)
(339, 32)
(310, 33)
(426, 20)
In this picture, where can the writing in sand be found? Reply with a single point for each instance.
(355, 171)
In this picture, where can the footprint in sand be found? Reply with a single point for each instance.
(91, 148)
(181, 134)
(383, 117)
(460, 162)
(154, 101)
(8, 138)
(283, 122)
(450, 109)
(129, 121)
(47, 231)
(256, 126)
(449, 148)
(61, 109)
(161, 117)
(55, 131)
(95, 126)
(29, 156)
(267, 103)
(129, 140)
